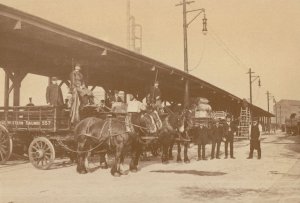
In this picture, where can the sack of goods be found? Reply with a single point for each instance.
(204, 107)
(201, 114)
(202, 100)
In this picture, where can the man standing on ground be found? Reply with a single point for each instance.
(216, 139)
(255, 139)
(54, 95)
(201, 140)
(229, 132)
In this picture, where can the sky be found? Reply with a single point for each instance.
(260, 34)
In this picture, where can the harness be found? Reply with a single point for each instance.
(98, 139)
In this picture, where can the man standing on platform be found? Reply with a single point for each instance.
(155, 96)
(54, 95)
(216, 139)
(229, 132)
(255, 139)
(77, 85)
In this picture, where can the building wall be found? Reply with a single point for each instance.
(284, 109)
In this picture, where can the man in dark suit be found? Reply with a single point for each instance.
(229, 132)
(77, 79)
(255, 140)
(216, 139)
(54, 95)
(155, 93)
(155, 97)
(201, 139)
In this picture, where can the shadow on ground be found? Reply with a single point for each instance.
(61, 164)
(198, 194)
(191, 172)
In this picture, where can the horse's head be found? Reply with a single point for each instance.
(189, 121)
(177, 121)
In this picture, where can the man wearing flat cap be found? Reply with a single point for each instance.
(54, 95)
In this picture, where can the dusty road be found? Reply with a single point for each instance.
(274, 178)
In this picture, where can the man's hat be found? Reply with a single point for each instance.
(54, 79)
(77, 67)
(255, 119)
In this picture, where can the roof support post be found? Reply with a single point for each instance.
(6, 90)
(16, 78)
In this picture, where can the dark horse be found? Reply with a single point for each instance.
(172, 125)
(110, 135)
(181, 138)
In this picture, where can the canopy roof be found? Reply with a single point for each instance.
(34, 45)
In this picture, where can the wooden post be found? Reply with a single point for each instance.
(17, 87)
(6, 92)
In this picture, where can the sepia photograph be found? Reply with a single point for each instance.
(142, 101)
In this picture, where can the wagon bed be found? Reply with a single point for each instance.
(35, 118)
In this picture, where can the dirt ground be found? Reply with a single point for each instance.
(274, 178)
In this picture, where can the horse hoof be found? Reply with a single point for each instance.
(124, 172)
(179, 160)
(187, 161)
(133, 170)
(117, 174)
(82, 172)
(165, 162)
(103, 166)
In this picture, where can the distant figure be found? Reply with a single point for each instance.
(54, 95)
(255, 139)
(30, 102)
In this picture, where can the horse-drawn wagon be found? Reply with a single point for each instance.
(36, 128)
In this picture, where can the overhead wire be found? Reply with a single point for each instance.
(201, 57)
(227, 49)
(220, 42)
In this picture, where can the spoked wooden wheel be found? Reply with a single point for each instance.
(5, 145)
(41, 153)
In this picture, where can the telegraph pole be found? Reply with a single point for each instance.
(250, 82)
(280, 115)
(252, 78)
(185, 41)
(268, 100)
(186, 63)
(128, 24)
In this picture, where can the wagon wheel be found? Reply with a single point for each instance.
(5, 145)
(41, 153)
